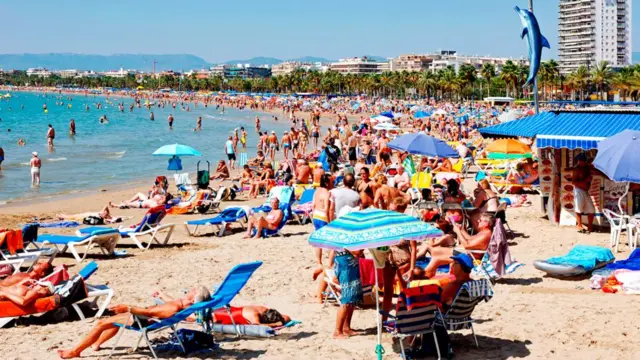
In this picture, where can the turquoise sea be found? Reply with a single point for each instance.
(107, 154)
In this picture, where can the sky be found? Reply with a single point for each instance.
(218, 30)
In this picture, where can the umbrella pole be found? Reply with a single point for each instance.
(379, 348)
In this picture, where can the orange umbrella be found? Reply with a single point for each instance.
(508, 146)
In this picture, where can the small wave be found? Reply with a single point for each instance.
(25, 164)
(57, 159)
(115, 155)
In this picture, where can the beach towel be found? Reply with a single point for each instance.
(632, 263)
(12, 240)
(54, 224)
(498, 249)
(585, 256)
(29, 233)
(252, 330)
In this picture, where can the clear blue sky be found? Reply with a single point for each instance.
(220, 30)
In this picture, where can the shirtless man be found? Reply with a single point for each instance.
(39, 271)
(51, 134)
(141, 201)
(26, 291)
(170, 120)
(105, 329)
(385, 193)
(35, 163)
(272, 142)
(259, 160)
(303, 172)
(257, 125)
(72, 127)
(366, 188)
(286, 144)
(246, 177)
(352, 145)
(318, 171)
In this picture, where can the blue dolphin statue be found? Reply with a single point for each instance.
(536, 41)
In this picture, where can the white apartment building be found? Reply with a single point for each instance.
(70, 73)
(476, 61)
(358, 65)
(591, 31)
(118, 73)
(289, 67)
(42, 72)
(413, 62)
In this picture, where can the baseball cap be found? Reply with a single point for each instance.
(273, 132)
(465, 260)
(35, 153)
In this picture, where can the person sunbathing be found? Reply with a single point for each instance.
(25, 292)
(143, 202)
(222, 171)
(104, 214)
(258, 161)
(262, 181)
(446, 166)
(471, 244)
(38, 271)
(271, 221)
(246, 177)
(385, 194)
(105, 328)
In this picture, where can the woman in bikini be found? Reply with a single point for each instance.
(271, 221)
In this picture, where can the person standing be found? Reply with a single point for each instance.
(170, 119)
(230, 150)
(35, 163)
(72, 127)
(51, 134)
(1, 157)
(198, 124)
(151, 116)
(581, 181)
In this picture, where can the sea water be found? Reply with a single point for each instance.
(117, 152)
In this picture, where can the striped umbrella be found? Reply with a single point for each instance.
(371, 229)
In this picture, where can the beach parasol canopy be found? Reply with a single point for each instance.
(509, 116)
(386, 126)
(381, 118)
(371, 229)
(618, 156)
(176, 150)
(508, 146)
(388, 114)
(440, 112)
(421, 114)
(421, 144)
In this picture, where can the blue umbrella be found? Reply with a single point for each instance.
(176, 150)
(370, 229)
(462, 119)
(388, 114)
(421, 144)
(421, 114)
(617, 158)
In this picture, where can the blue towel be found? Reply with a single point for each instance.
(585, 256)
(58, 224)
(632, 263)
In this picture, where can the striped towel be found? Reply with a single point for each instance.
(242, 160)
(485, 268)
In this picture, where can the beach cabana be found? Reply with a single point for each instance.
(559, 137)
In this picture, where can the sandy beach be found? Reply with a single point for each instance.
(530, 316)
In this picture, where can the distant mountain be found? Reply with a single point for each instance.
(61, 61)
(312, 59)
(635, 58)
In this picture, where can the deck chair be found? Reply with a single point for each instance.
(458, 316)
(416, 313)
(221, 298)
(26, 249)
(231, 215)
(298, 210)
(95, 292)
(149, 226)
(15, 264)
(105, 239)
(286, 216)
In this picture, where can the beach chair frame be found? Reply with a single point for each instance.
(94, 241)
(220, 227)
(458, 316)
(15, 264)
(153, 232)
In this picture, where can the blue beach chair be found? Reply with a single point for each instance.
(306, 198)
(231, 215)
(105, 239)
(235, 280)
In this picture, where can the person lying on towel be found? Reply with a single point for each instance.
(271, 221)
(39, 271)
(105, 328)
(25, 292)
(442, 249)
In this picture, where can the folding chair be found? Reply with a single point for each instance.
(458, 316)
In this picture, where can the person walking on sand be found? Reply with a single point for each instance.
(72, 127)
(230, 149)
(51, 134)
(35, 163)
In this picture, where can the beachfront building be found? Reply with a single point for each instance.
(289, 67)
(41, 72)
(70, 73)
(451, 58)
(200, 74)
(413, 62)
(591, 31)
(359, 65)
(118, 73)
(246, 71)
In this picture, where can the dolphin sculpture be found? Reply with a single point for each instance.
(536, 41)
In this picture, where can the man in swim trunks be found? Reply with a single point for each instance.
(272, 142)
(105, 329)
(230, 150)
(51, 134)
(286, 144)
(352, 145)
(26, 292)
(72, 127)
(385, 193)
(35, 164)
(259, 160)
(257, 124)
(303, 172)
(198, 124)
(170, 120)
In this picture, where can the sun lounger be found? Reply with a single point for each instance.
(416, 313)
(23, 247)
(286, 216)
(458, 316)
(299, 209)
(232, 215)
(150, 225)
(104, 239)
(61, 297)
(14, 263)
(221, 298)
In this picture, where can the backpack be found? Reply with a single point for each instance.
(93, 220)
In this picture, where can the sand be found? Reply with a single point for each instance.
(530, 316)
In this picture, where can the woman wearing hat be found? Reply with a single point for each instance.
(35, 163)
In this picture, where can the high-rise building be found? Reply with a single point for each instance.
(591, 31)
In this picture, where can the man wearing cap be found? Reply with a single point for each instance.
(581, 181)
(460, 268)
(35, 163)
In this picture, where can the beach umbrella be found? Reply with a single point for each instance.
(381, 118)
(421, 114)
(508, 146)
(422, 144)
(618, 159)
(372, 229)
(176, 150)
(388, 114)
(509, 116)
(386, 126)
(440, 112)
(415, 108)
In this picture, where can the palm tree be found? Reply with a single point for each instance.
(579, 78)
(622, 81)
(488, 72)
(602, 77)
(509, 74)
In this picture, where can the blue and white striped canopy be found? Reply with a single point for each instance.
(370, 229)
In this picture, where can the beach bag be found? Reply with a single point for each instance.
(93, 220)
(192, 340)
(72, 291)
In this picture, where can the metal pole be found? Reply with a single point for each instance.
(535, 81)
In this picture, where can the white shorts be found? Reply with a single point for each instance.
(35, 170)
(582, 202)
